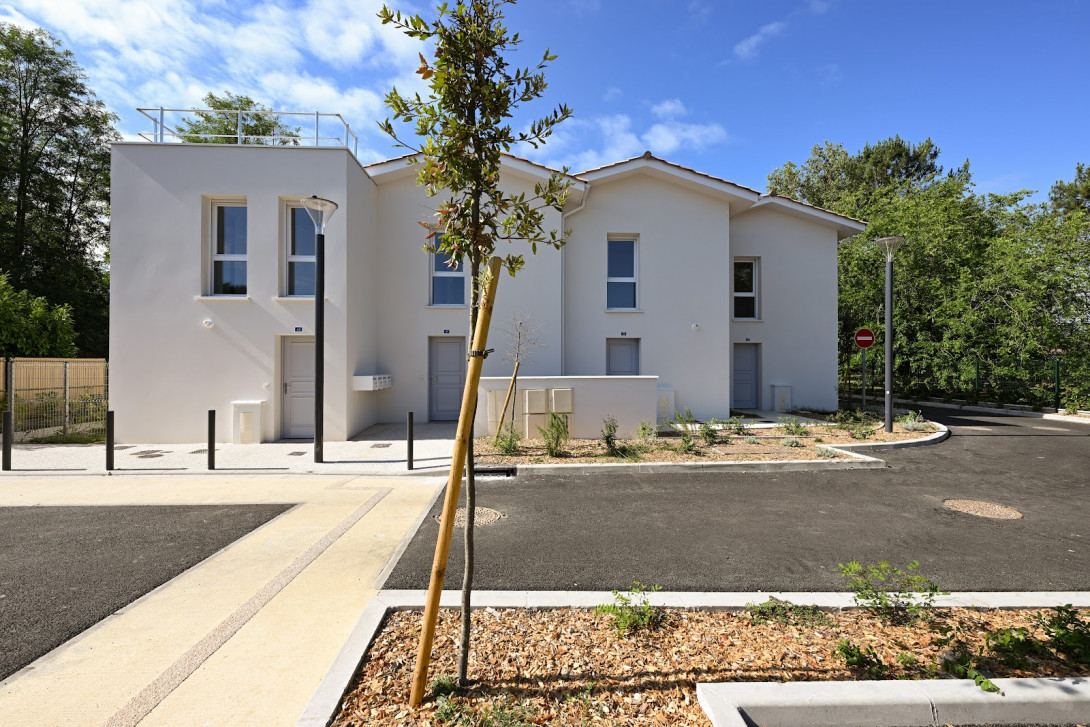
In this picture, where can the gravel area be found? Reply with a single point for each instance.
(568, 666)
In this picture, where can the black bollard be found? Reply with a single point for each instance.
(211, 439)
(409, 441)
(9, 436)
(109, 441)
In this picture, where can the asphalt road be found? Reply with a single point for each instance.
(64, 569)
(788, 531)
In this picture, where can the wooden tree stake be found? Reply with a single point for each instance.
(507, 401)
(454, 482)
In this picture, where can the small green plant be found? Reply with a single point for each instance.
(825, 453)
(686, 445)
(776, 610)
(861, 433)
(913, 421)
(507, 439)
(819, 440)
(736, 425)
(708, 432)
(853, 418)
(1068, 635)
(751, 440)
(467, 714)
(861, 659)
(647, 431)
(1013, 646)
(443, 685)
(684, 421)
(609, 435)
(895, 595)
(959, 658)
(791, 442)
(632, 612)
(792, 425)
(555, 434)
(907, 660)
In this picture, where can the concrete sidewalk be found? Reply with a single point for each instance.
(245, 636)
(379, 451)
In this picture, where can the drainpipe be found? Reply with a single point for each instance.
(563, 298)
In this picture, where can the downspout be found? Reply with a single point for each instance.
(563, 297)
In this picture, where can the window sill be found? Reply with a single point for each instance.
(463, 306)
(294, 299)
(218, 298)
(746, 320)
(624, 310)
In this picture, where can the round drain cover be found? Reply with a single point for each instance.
(481, 516)
(983, 509)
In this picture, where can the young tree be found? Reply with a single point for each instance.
(228, 114)
(54, 181)
(464, 126)
(30, 326)
(523, 336)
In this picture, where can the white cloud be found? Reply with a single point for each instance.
(699, 10)
(612, 94)
(819, 7)
(671, 108)
(746, 49)
(668, 137)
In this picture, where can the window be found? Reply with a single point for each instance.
(448, 283)
(621, 274)
(300, 249)
(228, 248)
(745, 289)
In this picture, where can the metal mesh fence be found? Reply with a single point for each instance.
(56, 399)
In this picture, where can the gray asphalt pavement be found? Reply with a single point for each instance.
(788, 531)
(63, 569)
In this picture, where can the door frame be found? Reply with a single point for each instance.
(465, 348)
(756, 372)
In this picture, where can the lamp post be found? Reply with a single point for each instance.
(320, 210)
(890, 245)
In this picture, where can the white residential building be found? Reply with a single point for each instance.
(676, 289)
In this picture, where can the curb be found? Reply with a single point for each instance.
(940, 436)
(323, 704)
(895, 703)
(1069, 418)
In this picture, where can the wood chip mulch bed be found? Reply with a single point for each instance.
(768, 447)
(567, 667)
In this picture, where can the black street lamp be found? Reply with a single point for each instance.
(890, 245)
(320, 210)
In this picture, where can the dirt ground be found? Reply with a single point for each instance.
(569, 667)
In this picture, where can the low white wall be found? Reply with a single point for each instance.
(630, 399)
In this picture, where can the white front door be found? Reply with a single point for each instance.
(297, 388)
(447, 376)
(745, 376)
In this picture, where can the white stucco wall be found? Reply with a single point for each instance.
(167, 369)
(797, 287)
(405, 320)
(683, 255)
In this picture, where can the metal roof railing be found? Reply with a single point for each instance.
(310, 131)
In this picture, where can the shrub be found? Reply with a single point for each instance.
(647, 431)
(854, 418)
(913, 421)
(776, 610)
(555, 434)
(896, 595)
(684, 421)
(826, 453)
(632, 612)
(791, 442)
(686, 445)
(792, 425)
(708, 432)
(1067, 634)
(864, 659)
(736, 425)
(507, 439)
(609, 435)
(751, 440)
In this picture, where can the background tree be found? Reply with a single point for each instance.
(220, 124)
(54, 182)
(464, 127)
(30, 326)
(1074, 195)
(523, 337)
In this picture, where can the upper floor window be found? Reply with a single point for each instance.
(448, 279)
(300, 249)
(228, 248)
(745, 289)
(621, 275)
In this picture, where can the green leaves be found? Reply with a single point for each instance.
(30, 326)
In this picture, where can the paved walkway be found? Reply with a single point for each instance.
(245, 636)
(378, 451)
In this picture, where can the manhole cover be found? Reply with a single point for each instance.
(482, 516)
(983, 509)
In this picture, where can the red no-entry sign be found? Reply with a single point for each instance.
(864, 338)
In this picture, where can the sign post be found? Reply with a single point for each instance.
(864, 338)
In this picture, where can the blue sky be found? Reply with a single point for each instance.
(727, 87)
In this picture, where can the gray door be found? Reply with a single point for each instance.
(622, 357)
(447, 377)
(297, 387)
(745, 376)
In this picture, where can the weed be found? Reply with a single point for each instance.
(632, 612)
(792, 425)
(825, 453)
(907, 660)
(647, 431)
(507, 439)
(862, 659)
(892, 594)
(776, 610)
(791, 442)
(1013, 646)
(819, 440)
(708, 432)
(555, 434)
(1067, 634)
(959, 659)
(465, 714)
(609, 435)
(861, 433)
(443, 685)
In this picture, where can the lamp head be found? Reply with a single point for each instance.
(890, 244)
(320, 210)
